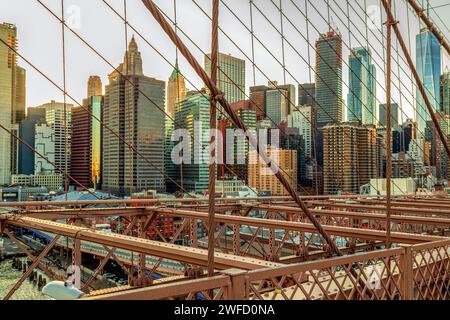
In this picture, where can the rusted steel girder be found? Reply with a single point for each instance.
(397, 217)
(56, 214)
(105, 259)
(413, 216)
(410, 204)
(145, 202)
(364, 234)
(237, 121)
(363, 215)
(163, 291)
(369, 208)
(173, 252)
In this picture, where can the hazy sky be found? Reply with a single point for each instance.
(40, 39)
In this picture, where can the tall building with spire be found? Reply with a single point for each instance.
(176, 92)
(428, 62)
(329, 101)
(362, 83)
(133, 107)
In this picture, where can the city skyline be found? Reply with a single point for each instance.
(37, 89)
(279, 102)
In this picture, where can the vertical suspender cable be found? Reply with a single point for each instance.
(389, 24)
(282, 45)
(253, 42)
(63, 38)
(313, 108)
(127, 102)
(177, 100)
(212, 143)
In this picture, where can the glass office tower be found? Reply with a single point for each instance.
(428, 61)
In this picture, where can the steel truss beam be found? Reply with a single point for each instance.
(173, 252)
(147, 202)
(364, 234)
(362, 215)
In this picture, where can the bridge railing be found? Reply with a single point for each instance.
(373, 275)
(402, 273)
(429, 272)
(213, 288)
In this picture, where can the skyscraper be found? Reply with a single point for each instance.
(329, 79)
(27, 133)
(237, 144)
(409, 133)
(176, 90)
(350, 157)
(441, 156)
(44, 143)
(86, 142)
(428, 62)
(291, 139)
(307, 94)
(54, 116)
(8, 33)
(56, 131)
(258, 96)
(18, 112)
(277, 104)
(303, 120)
(362, 86)
(129, 112)
(95, 87)
(230, 76)
(444, 92)
(262, 178)
(382, 117)
(290, 95)
(193, 116)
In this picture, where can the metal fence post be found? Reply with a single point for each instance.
(238, 283)
(406, 273)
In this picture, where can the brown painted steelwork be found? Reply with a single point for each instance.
(174, 252)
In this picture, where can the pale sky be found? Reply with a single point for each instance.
(39, 36)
